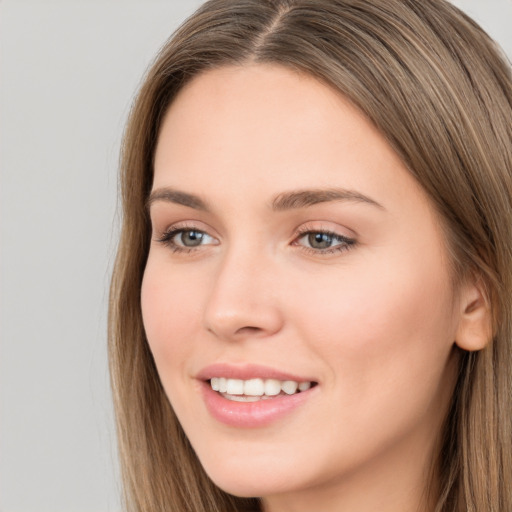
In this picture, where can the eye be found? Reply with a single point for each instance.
(190, 238)
(320, 240)
(324, 241)
(182, 239)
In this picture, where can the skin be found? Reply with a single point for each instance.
(374, 323)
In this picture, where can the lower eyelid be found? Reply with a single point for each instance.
(341, 242)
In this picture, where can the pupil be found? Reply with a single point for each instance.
(191, 238)
(320, 240)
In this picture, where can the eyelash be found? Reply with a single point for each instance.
(167, 238)
(345, 243)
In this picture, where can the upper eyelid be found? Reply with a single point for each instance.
(174, 230)
(315, 225)
(334, 234)
(306, 227)
(184, 226)
(327, 227)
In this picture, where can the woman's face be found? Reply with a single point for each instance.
(291, 249)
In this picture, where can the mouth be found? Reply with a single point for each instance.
(251, 396)
(254, 390)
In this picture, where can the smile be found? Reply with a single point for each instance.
(253, 390)
(252, 396)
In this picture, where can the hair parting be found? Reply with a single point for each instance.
(440, 91)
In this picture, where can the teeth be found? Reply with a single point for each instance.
(242, 398)
(249, 390)
(254, 387)
(290, 386)
(235, 387)
(304, 386)
(272, 387)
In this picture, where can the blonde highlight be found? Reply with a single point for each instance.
(440, 91)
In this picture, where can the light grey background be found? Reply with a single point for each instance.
(68, 71)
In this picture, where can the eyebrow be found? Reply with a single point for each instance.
(171, 195)
(304, 198)
(282, 202)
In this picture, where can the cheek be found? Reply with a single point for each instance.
(386, 335)
(389, 320)
(170, 312)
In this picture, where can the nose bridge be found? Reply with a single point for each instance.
(243, 299)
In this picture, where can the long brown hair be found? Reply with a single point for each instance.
(440, 91)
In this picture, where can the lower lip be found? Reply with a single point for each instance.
(252, 414)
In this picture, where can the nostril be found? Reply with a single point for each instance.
(248, 330)
(235, 318)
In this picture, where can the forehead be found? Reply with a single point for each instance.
(265, 128)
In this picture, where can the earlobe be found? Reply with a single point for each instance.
(474, 331)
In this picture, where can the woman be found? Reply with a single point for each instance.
(311, 304)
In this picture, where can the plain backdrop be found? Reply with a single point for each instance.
(68, 72)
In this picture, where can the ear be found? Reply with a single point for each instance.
(474, 330)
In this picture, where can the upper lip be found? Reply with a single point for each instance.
(246, 372)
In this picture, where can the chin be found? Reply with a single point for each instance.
(242, 488)
(251, 480)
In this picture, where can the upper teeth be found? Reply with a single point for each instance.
(257, 387)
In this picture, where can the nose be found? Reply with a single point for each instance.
(243, 302)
